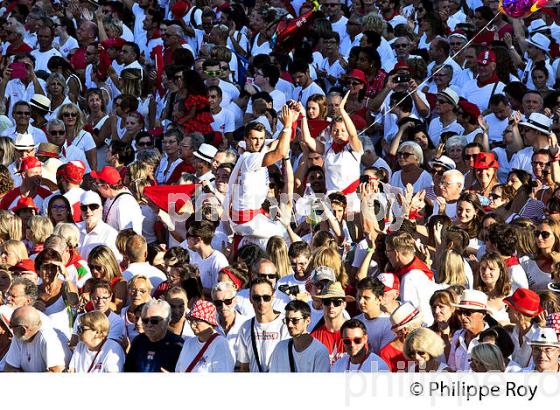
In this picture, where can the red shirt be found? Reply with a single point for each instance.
(392, 357)
(331, 340)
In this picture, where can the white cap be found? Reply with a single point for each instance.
(90, 198)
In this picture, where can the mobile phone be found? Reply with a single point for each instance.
(402, 78)
(364, 179)
(19, 70)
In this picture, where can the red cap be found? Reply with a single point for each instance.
(25, 265)
(469, 108)
(486, 57)
(25, 202)
(486, 160)
(390, 281)
(204, 310)
(72, 172)
(108, 174)
(113, 42)
(401, 65)
(525, 301)
(359, 75)
(28, 163)
(179, 9)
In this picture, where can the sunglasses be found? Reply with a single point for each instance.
(213, 74)
(469, 157)
(494, 196)
(26, 113)
(352, 340)
(56, 132)
(101, 298)
(442, 100)
(98, 268)
(292, 320)
(354, 83)
(220, 303)
(467, 312)
(259, 298)
(92, 207)
(154, 320)
(81, 329)
(269, 276)
(438, 172)
(544, 234)
(334, 302)
(143, 144)
(540, 164)
(70, 114)
(400, 46)
(404, 154)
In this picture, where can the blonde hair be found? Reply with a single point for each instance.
(402, 242)
(177, 290)
(97, 321)
(8, 150)
(69, 232)
(374, 22)
(326, 256)
(16, 247)
(103, 256)
(452, 269)
(277, 251)
(39, 229)
(423, 340)
(136, 278)
(80, 120)
(10, 226)
(490, 356)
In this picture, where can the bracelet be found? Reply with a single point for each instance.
(371, 250)
(286, 159)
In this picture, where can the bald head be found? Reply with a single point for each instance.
(26, 317)
(265, 268)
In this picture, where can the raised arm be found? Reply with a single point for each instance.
(313, 144)
(353, 138)
(283, 148)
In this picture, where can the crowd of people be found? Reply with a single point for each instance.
(279, 186)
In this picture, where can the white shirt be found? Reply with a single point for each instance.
(216, 358)
(37, 133)
(223, 122)
(144, 268)
(209, 267)
(123, 212)
(267, 335)
(16, 91)
(40, 354)
(522, 160)
(437, 128)
(314, 359)
(480, 95)
(251, 187)
(423, 181)
(496, 128)
(303, 94)
(102, 234)
(460, 354)
(110, 359)
(42, 58)
(341, 169)
(233, 332)
(417, 289)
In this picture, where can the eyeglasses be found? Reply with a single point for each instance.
(494, 196)
(26, 113)
(544, 234)
(143, 144)
(220, 303)
(81, 329)
(540, 164)
(400, 46)
(57, 132)
(438, 172)
(259, 73)
(91, 207)
(467, 312)
(269, 276)
(98, 268)
(259, 298)
(292, 320)
(442, 100)
(101, 298)
(404, 154)
(154, 320)
(70, 114)
(334, 302)
(213, 73)
(140, 291)
(352, 340)
(469, 157)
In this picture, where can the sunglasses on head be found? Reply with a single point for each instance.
(544, 234)
(92, 207)
(220, 303)
(334, 302)
(154, 320)
(263, 298)
(352, 340)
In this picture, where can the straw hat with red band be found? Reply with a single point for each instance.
(472, 300)
(486, 160)
(334, 291)
(25, 202)
(109, 175)
(358, 75)
(525, 301)
(205, 311)
(404, 315)
(28, 163)
(46, 149)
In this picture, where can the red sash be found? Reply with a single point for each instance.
(415, 264)
(350, 189)
(246, 215)
(201, 352)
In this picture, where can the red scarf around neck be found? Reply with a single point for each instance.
(339, 146)
(493, 79)
(415, 264)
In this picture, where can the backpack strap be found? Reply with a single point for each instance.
(254, 344)
(291, 356)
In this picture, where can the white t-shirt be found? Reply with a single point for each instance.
(417, 289)
(267, 335)
(372, 364)
(40, 354)
(42, 58)
(123, 212)
(378, 330)
(423, 181)
(223, 121)
(216, 359)
(102, 234)
(209, 267)
(436, 128)
(303, 95)
(233, 332)
(496, 128)
(252, 182)
(314, 359)
(110, 359)
(480, 95)
(537, 279)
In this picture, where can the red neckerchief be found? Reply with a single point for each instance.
(75, 257)
(415, 264)
(222, 7)
(493, 79)
(512, 261)
(392, 16)
(156, 35)
(338, 146)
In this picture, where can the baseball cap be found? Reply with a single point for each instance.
(323, 273)
(28, 163)
(108, 174)
(390, 280)
(90, 198)
(486, 57)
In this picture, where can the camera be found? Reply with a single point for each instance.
(289, 290)
(402, 78)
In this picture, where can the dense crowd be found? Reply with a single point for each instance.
(278, 186)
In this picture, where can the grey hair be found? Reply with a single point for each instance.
(367, 143)
(30, 289)
(19, 29)
(231, 157)
(176, 27)
(61, 80)
(149, 156)
(160, 303)
(197, 139)
(456, 140)
(417, 149)
(455, 175)
(57, 242)
(7, 147)
(69, 232)
(223, 287)
(55, 122)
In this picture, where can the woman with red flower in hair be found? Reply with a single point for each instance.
(193, 112)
